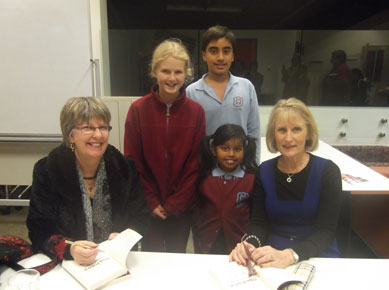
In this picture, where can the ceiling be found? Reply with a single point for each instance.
(248, 14)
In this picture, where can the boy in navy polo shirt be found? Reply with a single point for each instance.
(224, 97)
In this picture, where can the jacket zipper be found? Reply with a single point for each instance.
(166, 147)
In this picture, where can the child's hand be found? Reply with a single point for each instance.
(160, 212)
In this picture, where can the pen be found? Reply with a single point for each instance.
(250, 266)
(249, 262)
(81, 245)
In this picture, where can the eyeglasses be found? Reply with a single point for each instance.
(89, 130)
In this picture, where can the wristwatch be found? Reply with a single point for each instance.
(295, 256)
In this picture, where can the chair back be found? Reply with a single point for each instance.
(343, 230)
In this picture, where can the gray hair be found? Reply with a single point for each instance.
(78, 110)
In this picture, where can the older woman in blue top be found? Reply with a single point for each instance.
(296, 196)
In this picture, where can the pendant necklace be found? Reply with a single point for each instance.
(89, 186)
(297, 167)
(289, 178)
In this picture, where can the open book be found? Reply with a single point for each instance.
(110, 263)
(350, 179)
(233, 276)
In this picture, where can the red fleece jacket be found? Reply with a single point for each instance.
(164, 143)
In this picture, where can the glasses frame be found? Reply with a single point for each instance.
(105, 129)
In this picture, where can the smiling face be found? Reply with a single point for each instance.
(291, 134)
(229, 155)
(219, 56)
(170, 75)
(89, 146)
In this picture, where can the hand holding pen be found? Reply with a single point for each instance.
(83, 252)
(242, 253)
(250, 263)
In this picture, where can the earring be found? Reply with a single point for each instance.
(72, 147)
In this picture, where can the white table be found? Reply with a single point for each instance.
(376, 183)
(190, 271)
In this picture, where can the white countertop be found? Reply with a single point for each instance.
(191, 271)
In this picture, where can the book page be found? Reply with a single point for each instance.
(100, 272)
(350, 179)
(119, 247)
(233, 276)
(276, 278)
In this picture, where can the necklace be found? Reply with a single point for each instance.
(90, 186)
(289, 178)
(90, 178)
(298, 168)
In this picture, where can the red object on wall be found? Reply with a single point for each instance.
(246, 50)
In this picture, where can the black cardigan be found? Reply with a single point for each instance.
(56, 205)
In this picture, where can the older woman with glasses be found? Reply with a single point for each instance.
(85, 190)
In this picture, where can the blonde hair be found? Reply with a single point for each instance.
(285, 109)
(78, 110)
(174, 48)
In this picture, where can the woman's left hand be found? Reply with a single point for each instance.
(269, 257)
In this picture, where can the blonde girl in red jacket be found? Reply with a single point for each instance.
(163, 131)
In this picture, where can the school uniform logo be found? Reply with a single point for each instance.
(237, 102)
(241, 199)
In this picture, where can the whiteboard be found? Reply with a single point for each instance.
(45, 49)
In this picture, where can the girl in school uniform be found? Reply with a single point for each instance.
(163, 131)
(227, 167)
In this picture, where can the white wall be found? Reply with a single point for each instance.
(100, 43)
(362, 127)
(45, 58)
(46, 50)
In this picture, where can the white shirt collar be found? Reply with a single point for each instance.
(238, 173)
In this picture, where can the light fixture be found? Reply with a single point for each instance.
(224, 9)
(189, 8)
